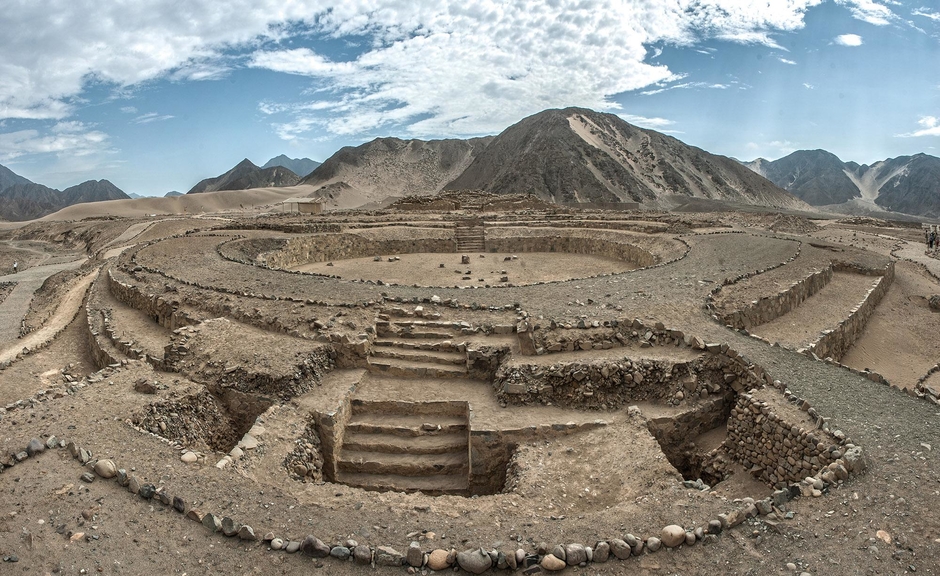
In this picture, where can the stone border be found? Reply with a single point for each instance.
(475, 560)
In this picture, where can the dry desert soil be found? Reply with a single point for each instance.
(219, 361)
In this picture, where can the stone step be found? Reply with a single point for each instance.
(429, 324)
(406, 425)
(450, 463)
(420, 356)
(409, 369)
(393, 444)
(422, 344)
(391, 408)
(420, 333)
(458, 484)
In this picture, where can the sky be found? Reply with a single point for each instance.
(155, 95)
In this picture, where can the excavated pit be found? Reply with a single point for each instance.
(216, 419)
(689, 439)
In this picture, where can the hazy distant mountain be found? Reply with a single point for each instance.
(299, 166)
(390, 167)
(815, 176)
(9, 178)
(909, 184)
(578, 155)
(29, 201)
(246, 175)
(172, 193)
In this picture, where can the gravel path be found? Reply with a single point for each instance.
(13, 309)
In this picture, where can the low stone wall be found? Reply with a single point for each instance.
(595, 242)
(163, 312)
(327, 247)
(836, 342)
(776, 451)
(616, 381)
(769, 308)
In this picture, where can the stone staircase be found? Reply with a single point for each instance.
(470, 238)
(407, 447)
(419, 348)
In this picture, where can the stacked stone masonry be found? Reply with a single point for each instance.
(776, 451)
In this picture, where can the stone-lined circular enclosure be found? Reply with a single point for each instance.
(413, 255)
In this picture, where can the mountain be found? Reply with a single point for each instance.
(9, 178)
(908, 184)
(172, 193)
(578, 155)
(391, 167)
(815, 176)
(246, 175)
(299, 166)
(93, 191)
(29, 201)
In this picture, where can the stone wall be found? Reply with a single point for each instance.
(836, 342)
(776, 451)
(769, 308)
(327, 247)
(162, 311)
(613, 382)
(596, 243)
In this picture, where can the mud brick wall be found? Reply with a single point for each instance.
(835, 343)
(769, 308)
(781, 451)
(327, 247)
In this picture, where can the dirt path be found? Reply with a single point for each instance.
(63, 315)
(915, 253)
(14, 308)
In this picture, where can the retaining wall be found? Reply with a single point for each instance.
(327, 247)
(776, 451)
(836, 342)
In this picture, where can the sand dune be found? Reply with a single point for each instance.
(260, 199)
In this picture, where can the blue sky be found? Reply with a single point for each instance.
(155, 95)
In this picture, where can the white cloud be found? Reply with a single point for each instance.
(654, 123)
(935, 16)
(848, 40)
(129, 110)
(151, 117)
(869, 11)
(785, 61)
(929, 126)
(439, 67)
(808, 86)
(73, 138)
(663, 87)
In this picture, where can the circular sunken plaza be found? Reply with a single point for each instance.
(530, 390)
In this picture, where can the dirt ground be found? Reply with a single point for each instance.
(584, 487)
(484, 269)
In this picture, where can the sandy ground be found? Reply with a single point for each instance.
(824, 310)
(488, 268)
(901, 338)
(580, 488)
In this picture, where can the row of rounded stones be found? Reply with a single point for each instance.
(475, 561)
